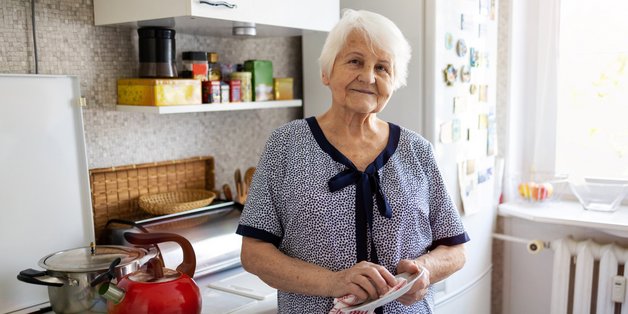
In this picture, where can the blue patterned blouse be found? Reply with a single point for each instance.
(313, 204)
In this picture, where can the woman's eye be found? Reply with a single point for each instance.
(382, 68)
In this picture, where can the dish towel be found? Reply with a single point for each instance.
(350, 300)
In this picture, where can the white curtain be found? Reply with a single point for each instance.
(533, 69)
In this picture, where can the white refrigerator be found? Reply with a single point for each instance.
(450, 100)
(44, 179)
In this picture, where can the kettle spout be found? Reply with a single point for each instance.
(111, 292)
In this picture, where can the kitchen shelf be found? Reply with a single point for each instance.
(569, 213)
(213, 107)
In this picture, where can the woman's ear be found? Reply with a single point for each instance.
(325, 79)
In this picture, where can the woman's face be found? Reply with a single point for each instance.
(361, 79)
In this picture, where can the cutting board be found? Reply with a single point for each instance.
(244, 284)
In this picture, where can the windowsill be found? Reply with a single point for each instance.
(569, 213)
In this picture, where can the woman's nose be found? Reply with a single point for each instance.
(367, 75)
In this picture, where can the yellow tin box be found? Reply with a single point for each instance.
(159, 92)
(283, 88)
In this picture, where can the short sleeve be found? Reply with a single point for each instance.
(260, 217)
(445, 222)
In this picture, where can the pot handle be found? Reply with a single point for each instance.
(39, 277)
(187, 266)
(108, 275)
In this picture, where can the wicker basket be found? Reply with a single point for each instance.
(175, 202)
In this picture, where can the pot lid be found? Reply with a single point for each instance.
(82, 259)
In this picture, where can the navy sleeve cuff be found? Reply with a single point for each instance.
(248, 231)
(455, 240)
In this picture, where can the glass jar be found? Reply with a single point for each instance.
(213, 71)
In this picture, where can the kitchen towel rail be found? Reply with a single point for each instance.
(533, 246)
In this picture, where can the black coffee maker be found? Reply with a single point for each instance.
(157, 51)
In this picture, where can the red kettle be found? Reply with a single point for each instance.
(154, 288)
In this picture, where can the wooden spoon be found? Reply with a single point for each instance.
(248, 178)
(226, 189)
(237, 176)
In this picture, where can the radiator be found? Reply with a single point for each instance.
(588, 278)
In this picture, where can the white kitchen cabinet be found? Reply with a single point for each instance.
(272, 17)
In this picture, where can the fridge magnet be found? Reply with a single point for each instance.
(483, 97)
(466, 184)
(482, 121)
(490, 145)
(455, 130)
(473, 89)
(484, 175)
(465, 74)
(493, 11)
(450, 75)
(445, 132)
(473, 57)
(449, 41)
(470, 167)
(461, 48)
(466, 22)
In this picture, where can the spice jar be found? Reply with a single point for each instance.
(194, 65)
(246, 91)
(211, 92)
(213, 71)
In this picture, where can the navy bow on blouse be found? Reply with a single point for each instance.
(367, 186)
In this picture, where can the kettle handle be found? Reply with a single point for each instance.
(187, 266)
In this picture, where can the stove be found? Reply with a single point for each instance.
(225, 286)
(210, 230)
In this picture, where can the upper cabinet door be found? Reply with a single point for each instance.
(107, 12)
(210, 17)
(319, 15)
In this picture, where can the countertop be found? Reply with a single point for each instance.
(214, 301)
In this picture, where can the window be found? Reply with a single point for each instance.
(592, 111)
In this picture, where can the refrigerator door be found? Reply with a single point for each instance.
(44, 186)
(459, 116)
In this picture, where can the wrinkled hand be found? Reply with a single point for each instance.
(365, 280)
(420, 287)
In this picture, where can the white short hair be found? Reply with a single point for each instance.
(379, 30)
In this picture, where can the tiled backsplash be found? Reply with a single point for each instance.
(68, 43)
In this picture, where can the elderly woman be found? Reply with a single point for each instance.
(342, 202)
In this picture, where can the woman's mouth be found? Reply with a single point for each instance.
(363, 91)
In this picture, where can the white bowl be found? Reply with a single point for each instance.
(599, 194)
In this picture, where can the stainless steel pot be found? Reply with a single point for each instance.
(68, 275)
